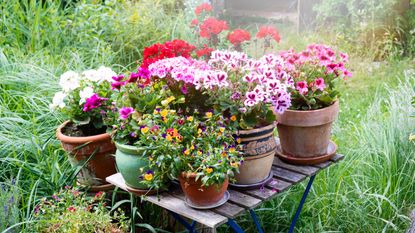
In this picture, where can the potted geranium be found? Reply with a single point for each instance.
(83, 100)
(305, 128)
(247, 91)
(135, 100)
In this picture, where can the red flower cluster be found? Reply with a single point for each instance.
(203, 7)
(212, 26)
(169, 49)
(265, 31)
(238, 36)
(205, 51)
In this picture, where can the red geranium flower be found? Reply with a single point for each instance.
(205, 51)
(212, 26)
(268, 31)
(169, 49)
(203, 7)
(238, 36)
(194, 23)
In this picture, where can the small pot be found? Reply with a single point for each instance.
(258, 151)
(132, 165)
(306, 134)
(200, 195)
(79, 149)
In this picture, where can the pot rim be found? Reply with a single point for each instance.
(184, 174)
(315, 110)
(69, 139)
(256, 130)
(129, 148)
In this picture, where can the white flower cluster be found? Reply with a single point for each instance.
(71, 81)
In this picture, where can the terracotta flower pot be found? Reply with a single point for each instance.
(201, 196)
(258, 151)
(132, 165)
(102, 163)
(306, 134)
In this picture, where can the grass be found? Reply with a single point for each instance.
(372, 190)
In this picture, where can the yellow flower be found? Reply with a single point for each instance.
(148, 176)
(190, 118)
(155, 112)
(169, 138)
(222, 129)
(144, 130)
(224, 154)
(150, 158)
(232, 149)
(233, 118)
(167, 101)
(209, 114)
(209, 170)
(186, 152)
(199, 131)
(234, 164)
(164, 113)
(199, 152)
(238, 140)
(192, 147)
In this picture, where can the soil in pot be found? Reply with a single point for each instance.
(200, 195)
(99, 149)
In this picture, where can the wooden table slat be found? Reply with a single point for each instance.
(287, 175)
(305, 170)
(228, 209)
(243, 199)
(336, 158)
(263, 193)
(174, 204)
(279, 185)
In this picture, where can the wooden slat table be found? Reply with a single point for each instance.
(285, 176)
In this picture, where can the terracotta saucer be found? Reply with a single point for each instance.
(253, 186)
(331, 151)
(141, 192)
(219, 203)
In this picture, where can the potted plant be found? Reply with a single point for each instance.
(247, 91)
(304, 130)
(199, 150)
(136, 99)
(73, 211)
(83, 100)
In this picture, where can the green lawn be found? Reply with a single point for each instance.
(372, 190)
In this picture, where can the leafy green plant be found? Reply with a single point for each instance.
(71, 210)
(9, 199)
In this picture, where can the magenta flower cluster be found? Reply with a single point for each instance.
(93, 102)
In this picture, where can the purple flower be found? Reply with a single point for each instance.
(93, 102)
(184, 90)
(236, 96)
(118, 78)
(125, 112)
(133, 134)
(133, 77)
(117, 85)
(144, 73)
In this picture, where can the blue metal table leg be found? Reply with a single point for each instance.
(300, 207)
(235, 227)
(189, 227)
(257, 223)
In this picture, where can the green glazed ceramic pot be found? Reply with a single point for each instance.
(131, 164)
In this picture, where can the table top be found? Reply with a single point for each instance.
(285, 176)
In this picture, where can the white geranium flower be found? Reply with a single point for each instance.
(92, 75)
(106, 73)
(69, 81)
(58, 101)
(85, 94)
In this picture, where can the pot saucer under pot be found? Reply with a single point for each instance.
(141, 192)
(331, 151)
(217, 204)
(253, 186)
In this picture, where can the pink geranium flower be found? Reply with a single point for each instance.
(125, 112)
(319, 84)
(302, 87)
(93, 102)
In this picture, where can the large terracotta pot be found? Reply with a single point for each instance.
(200, 195)
(258, 151)
(102, 163)
(306, 134)
(132, 165)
